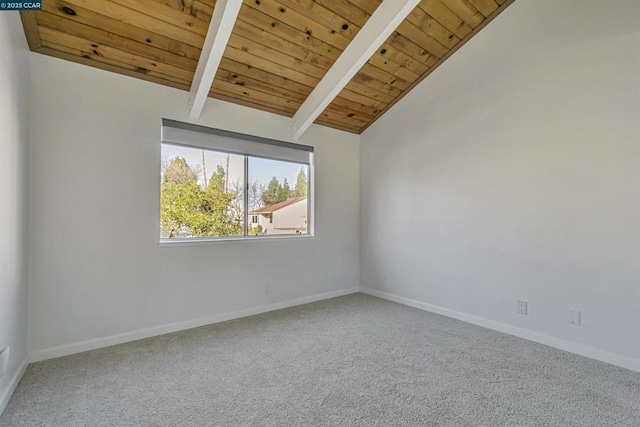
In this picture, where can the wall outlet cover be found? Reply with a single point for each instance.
(573, 317)
(523, 308)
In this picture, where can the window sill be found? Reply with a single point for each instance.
(166, 243)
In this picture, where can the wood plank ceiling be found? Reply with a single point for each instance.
(278, 51)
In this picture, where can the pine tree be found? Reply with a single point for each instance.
(301, 184)
(218, 178)
(270, 195)
(284, 192)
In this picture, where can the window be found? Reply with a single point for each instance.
(218, 184)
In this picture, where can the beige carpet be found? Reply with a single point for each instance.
(352, 361)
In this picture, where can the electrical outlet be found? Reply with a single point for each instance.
(4, 360)
(573, 317)
(265, 289)
(523, 308)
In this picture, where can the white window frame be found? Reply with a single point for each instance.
(200, 137)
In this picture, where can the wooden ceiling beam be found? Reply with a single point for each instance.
(382, 23)
(224, 17)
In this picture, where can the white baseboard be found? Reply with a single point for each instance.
(571, 347)
(6, 395)
(67, 349)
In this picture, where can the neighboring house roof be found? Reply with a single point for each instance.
(277, 206)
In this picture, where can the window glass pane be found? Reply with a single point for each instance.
(278, 197)
(201, 193)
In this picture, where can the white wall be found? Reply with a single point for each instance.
(512, 172)
(95, 268)
(292, 216)
(14, 89)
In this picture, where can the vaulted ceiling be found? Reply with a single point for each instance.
(278, 51)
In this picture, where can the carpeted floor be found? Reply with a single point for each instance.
(355, 360)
